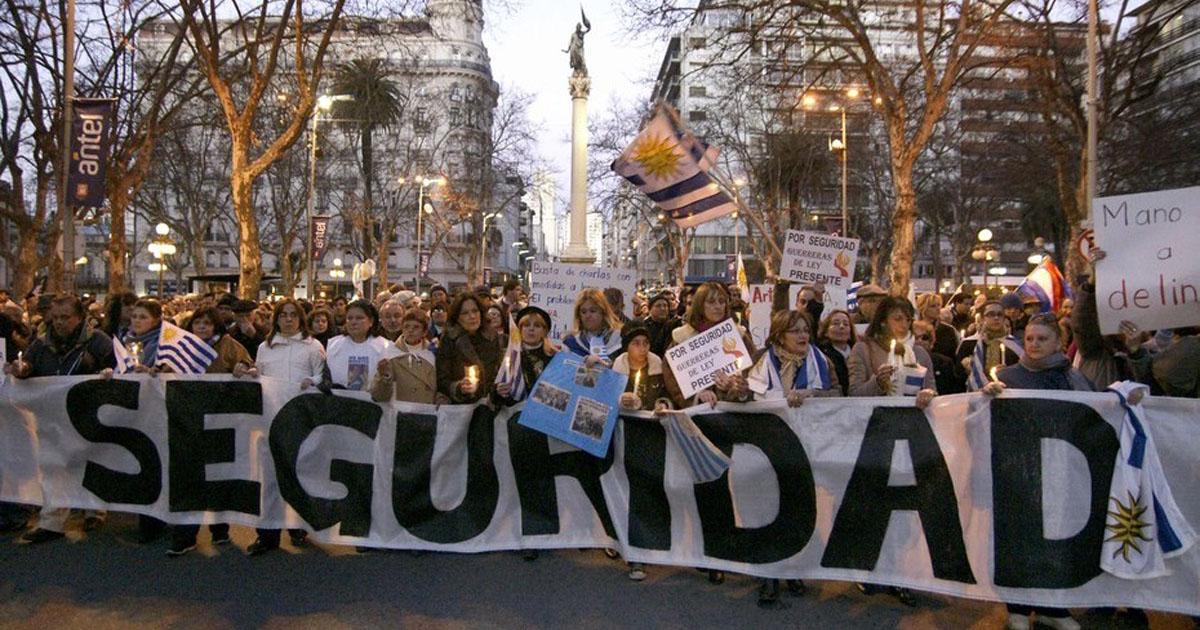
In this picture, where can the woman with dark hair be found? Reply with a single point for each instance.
(291, 355)
(321, 325)
(887, 362)
(710, 306)
(232, 358)
(1043, 366)
(469, 354)
(836, 339)
(352, 358)
(117, 311)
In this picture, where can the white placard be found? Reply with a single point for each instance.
(811, 257)
(834, 299)
(553, 288)
(1151, 272)
(758, 305)
(696, 361)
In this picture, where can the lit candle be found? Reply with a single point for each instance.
(637, 382)
(993, 373)
(892, 354)
(20, 357)
(135, 350)
(471, 378)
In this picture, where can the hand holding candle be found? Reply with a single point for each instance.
(637, 382)
(992, 373)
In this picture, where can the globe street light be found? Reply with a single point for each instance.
(160, 248)
(337, 273)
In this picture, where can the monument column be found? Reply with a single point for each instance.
(577, 250)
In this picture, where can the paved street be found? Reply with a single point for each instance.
(107, 581)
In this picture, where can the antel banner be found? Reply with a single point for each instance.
(91, 139)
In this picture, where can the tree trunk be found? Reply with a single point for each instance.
(27, 263)
(250, 252)
(118, 280)
(903, 218)
(285, 269)
(381, 265)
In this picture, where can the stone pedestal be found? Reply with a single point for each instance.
(577, 249)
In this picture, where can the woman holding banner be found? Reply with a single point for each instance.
(529, 352)
(836, 339)
(597, 333)
(710, 306)
(411, 375)
(145, 327)
(353, 357)
(469, 354)
(1043, 366)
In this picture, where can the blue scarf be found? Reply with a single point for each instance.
(149, 343)
(581, 343)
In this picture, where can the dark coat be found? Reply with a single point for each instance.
(839, 365)
(88, 352)
(1060, 377)
(457, 350)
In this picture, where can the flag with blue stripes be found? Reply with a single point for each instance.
(125, 360)
(670, 164)
(1144, 525)
(852, 295)
(510, 367)
(182, 351)
(705, 461)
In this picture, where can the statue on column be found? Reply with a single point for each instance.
(575, 48)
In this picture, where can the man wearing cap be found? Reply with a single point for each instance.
(244, 328)
(869, 296)
(1014, 311)
(661, 322)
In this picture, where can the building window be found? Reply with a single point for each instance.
(224, 259)
(420, 120)
(697, 115)
(455, 117)
(698, 91)
(696, 43)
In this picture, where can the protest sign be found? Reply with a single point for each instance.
(553, 288)
(1001, 499)
(574, 403)
(834, 299)
(758, 307)
(811, 257)
(696, 362)
(1151, 273)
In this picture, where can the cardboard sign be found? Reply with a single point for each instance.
(758, 307)
(811, 257)
(574, 403)
(1151, 273)
(553, 288)
(696, 361)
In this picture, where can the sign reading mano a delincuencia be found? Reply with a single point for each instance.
(1151, 271)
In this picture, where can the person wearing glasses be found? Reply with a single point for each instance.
(991, 347)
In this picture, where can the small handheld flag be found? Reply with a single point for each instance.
(182, 351)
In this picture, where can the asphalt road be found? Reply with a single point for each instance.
(108, 581)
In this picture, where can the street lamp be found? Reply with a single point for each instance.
(324, 104)
(337, 273)
(985, 252)
(840, 146)
(160, 248)
(422, 182)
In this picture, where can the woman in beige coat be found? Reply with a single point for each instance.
(410, 376)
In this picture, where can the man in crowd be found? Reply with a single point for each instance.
(437, 320)
(438, 295)
(870, 296)
(390, 316)
(244, 328)
(511, 298)
(225, 308)
(69, 347)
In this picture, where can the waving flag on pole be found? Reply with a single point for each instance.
(510, 370)
(1047, 284)
(182, 351)
(670, 164)
(125, 360)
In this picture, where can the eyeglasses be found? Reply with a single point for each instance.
(996, 314)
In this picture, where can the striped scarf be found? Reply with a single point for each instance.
(980, 361)
(769, 374)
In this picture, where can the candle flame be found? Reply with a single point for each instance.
(993, 373)
(471, 373)
(637, 380)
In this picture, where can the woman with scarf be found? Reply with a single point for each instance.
(992, 347)
(145, 326)
(793, 369)
(597, 333)
(410, 375)
(836, 338)
(468, 354)
(710, 306)
(1042, 366)
(887, 362)
(232, 358)
(650, 385)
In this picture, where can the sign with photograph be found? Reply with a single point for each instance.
(1150, 274)
(553, 288)
(811, 257)
(697, 361)
(574, 403)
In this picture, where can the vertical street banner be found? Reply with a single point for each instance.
(91, 140)
(1151, 273)
(553, 288)
(423, 265)
(811, 257)
(318, 236)
(576, 404)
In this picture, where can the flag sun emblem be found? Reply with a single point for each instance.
(657, 156)
(1127, 526)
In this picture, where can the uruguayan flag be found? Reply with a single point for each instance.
(1047, 284)
(705, 461)
(510, 369)
(668, 163)
(1144, 525)
(978, 377)
(182, 351)
(852, 295)
(125, 361)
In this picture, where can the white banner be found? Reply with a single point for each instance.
(1151, 274)
(697, 361)
(553, 288)
(1002, 500)
(758, 307)
(811, 257)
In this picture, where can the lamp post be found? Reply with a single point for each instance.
(337, 273)
(985, 252)
(483, 241)
(421, 183)
(839, 145)
(160, 248)
(324, 103)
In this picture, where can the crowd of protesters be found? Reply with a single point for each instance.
(444, 348)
